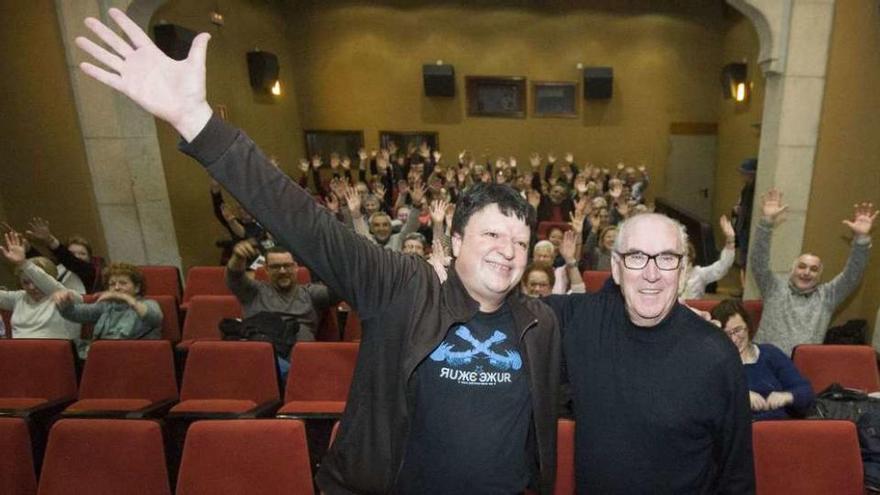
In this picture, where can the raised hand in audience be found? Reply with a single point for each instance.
(353, 200)
(551, 158)
(439, 260)
(417, 193)
(317, 161)
(771, 205)
(438, 210)
(334, 160)
(304, 165)
(569, 158)
(864, 215)
(172, 90)
(15, 250)
(39, 231)
(568, 248)
(535, 160)
(534, 198)
(332, 203)
(346, 163)
(727, 229)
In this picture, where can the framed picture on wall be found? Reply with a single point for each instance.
(496, 96)
(554, 99)
(405, 139)
(323, 143)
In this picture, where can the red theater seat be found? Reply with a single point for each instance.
(161, 280)
(16, 458)
(104, 457)
(204, 281)
(245, 456)
(227, 380)
(807, 457)
(319, 379)
(594, 280)
(126, 378)
(37, 376)
(853, 366)
(565, 483)
(203, 318)
(170, 319)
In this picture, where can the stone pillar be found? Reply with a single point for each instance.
(121, 148)
(795, 38)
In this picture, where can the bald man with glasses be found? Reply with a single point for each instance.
(660, 396)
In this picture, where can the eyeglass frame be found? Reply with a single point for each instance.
(677, 256)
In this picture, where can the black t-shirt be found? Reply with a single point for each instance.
(472, 413)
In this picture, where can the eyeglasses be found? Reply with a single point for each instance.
(735, 331)
(637, 260)
(279, 266)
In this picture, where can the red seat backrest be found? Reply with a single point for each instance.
(807, 457)
(245, 456)
(321, 371)
(17, 462)
(595, 279)
(565, 484)
(161, 280)
(129, 369)
(230, 370)
(205, 280)
(170, 319)
(353, 328)
(853, 366)
(105, 456)
(545, 227)
(204, 315)
(37, 368)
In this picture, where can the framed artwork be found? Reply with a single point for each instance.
(554, 99)
(496, 96)
(404, 139)
(346, 143)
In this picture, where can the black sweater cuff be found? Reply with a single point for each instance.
(211, 142)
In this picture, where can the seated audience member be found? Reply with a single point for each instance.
(34, 315)
(281, 294)
(554, 235)
(698, 277)
(76, 256)
(414, 244)
(121, 312)
(600, 245)
(776, 387)
(379, 227)
(797, 308)
(538, 280)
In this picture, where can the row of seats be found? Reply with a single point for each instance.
(204, 316)
(136, 379)
(270, 456)
(96, 457)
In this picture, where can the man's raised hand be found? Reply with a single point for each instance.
(864, 215)
(172, 90)
(771, 205)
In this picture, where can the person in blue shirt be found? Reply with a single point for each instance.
(777, 390)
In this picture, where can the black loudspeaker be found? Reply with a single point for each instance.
(173, 40)
(262, 69)
(439, 80)
(598, 83)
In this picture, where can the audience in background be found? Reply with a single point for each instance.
(76, 255)
(696, 278)
(120, 312)
(798, 308)
(34, 315)
(776, 388)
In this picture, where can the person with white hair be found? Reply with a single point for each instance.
(797, 307)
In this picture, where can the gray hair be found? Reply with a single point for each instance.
(415, 236)
(627, 224)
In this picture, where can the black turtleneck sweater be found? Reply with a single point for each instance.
(661, 409)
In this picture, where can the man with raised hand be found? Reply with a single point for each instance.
(659, 394)
(797, 308)
(455, 389)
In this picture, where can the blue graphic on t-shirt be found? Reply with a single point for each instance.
(510, 359)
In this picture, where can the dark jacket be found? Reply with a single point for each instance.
(405, 312)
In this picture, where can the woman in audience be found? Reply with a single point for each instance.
(121, 312)
(599, 247)
(34, 315)
(776, 388)
(698, 277)
(538, 280)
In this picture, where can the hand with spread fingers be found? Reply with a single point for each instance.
(864, 215)
(172, 90)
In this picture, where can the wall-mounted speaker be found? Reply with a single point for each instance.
(173, 40)
(439, 80)
(598, 83)
(262, 69)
